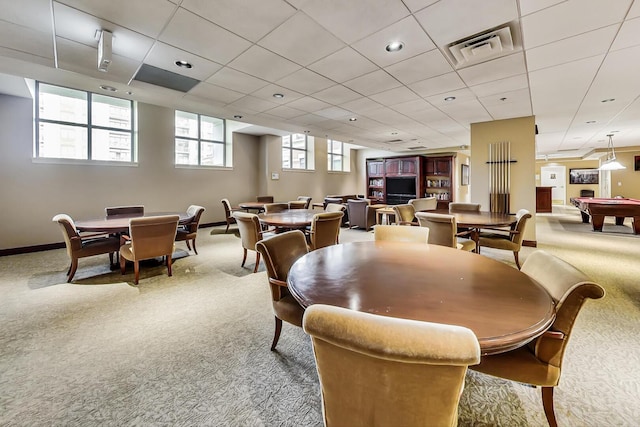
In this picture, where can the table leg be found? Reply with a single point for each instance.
(597, 221)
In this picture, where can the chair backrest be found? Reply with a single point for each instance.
(424, 204)
(522, 217)
(401, 234)
(275, 207)
(249, 228)
(69, 231)
(569, 287)
(306, 199)
(404, 213)
(336, 200)
(442, 228)
(380, 370)
(279, 253)
(587, 193)
(196, 212)
(265, 199)
(325, 228)
(115, 211)
(152, 236)
(297, 204)
(227, 207)
(335, 207)
(464, 207)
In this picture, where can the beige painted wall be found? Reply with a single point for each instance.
(521, 133)
(628, 178)
(573, 190)
(462, 192)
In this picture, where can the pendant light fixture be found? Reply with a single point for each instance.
(611, 164)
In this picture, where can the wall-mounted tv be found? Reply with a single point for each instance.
(583, 176)
(404, 186)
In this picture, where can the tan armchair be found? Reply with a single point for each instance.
(250, 233)
(116, 211)
(424, 204)
(509, 240)
(297, 204)
(84, 246)
(265, 199)
(443, 231)
(384, 371)
(362, 214)
(464, 207)
(540, 362)
(325, 229)
(149, 237)
(405, 214)
(228, 213)
(279, 253)
(401, 234)
(275, 207)
(307, 201)
(188, 232)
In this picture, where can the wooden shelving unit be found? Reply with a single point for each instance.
(395, 180)
(439, 179)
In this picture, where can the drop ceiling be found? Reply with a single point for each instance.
(328, 59)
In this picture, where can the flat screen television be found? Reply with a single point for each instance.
(405, 186)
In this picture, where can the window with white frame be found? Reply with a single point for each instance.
(297, 152)
(337, 156)
(74, 124)
(199, 140)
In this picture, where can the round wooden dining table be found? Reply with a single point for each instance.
(252, 206)
(288, 219)
(504, 307)
(120, 224)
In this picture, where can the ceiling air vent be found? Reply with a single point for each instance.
(482, 47)
(394, 141)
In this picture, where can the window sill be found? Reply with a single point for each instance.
(204, 167)
(81, 162)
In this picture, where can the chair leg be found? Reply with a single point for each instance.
(515, 255)
(72, 269)
(136, 270)
(123, 263)
(110, 258)
(255, 269)
(194, 246)
(169, 260)
(276, 335)
(547, 403)
(188, 245)
(225, 231)
(244, 258)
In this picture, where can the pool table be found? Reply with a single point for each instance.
(598, 208)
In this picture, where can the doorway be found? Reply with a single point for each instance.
(555, 177)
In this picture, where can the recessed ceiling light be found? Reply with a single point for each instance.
(278, 95)
(237, 116)
(450, 98)
(394, 133)
(608, 100)
(352, 119)
(394, 46)
(183, 64)
(503, 99)
(306, 131)
(108, 88)
(129, 92)
(590, 121)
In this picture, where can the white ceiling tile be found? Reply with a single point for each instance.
(529, 6)
(361, 105)
(629, 35)
(371, 83)
(268, 91)
(407, 31)
(416, 5)
(285, 112)
(421, 67)
(336, 95)
(634, 12)
(301, 40)
(253, 62)
(236, 80)
(395, 96)
(215, 93)
(187, 31)
(251, 19)
(34, 14)
(27, 40)
(308, 119)
(148, 17)
(460, 95)
(468, 111)
(570, 49)
(569, 19)
(306, 81)
(450, 20)
(411, 107)
(435, 85)
(333, 66)
(356, 18)
(508, 104)
(308, 104)
(164, 56)
(496, 69)
(500, 86)
(334, 113)
(617, 78)
(251, 103)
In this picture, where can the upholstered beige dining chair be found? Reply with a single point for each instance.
(424, 204)
(188, 232)
(383, 371)
(265, 199)
(149, 237)
(275, 207)
(540, 362)
(297, 204)
(443, 231)
(228, 213)
(116, 211)
(250, 233)
(401, 234)
(307, 201)
(464, 207)
(325, 229)
(279, 253)
(509, 240)
(405, 214)
(84, 246)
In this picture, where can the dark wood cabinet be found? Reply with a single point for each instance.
(375, 168)
(408, 166)
(402, 179)
(543, 199)
(439, 179)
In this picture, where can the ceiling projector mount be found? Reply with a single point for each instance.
(105, 45)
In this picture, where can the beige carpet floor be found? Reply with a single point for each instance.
(193, 349)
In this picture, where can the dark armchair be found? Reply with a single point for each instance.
(362, 214)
